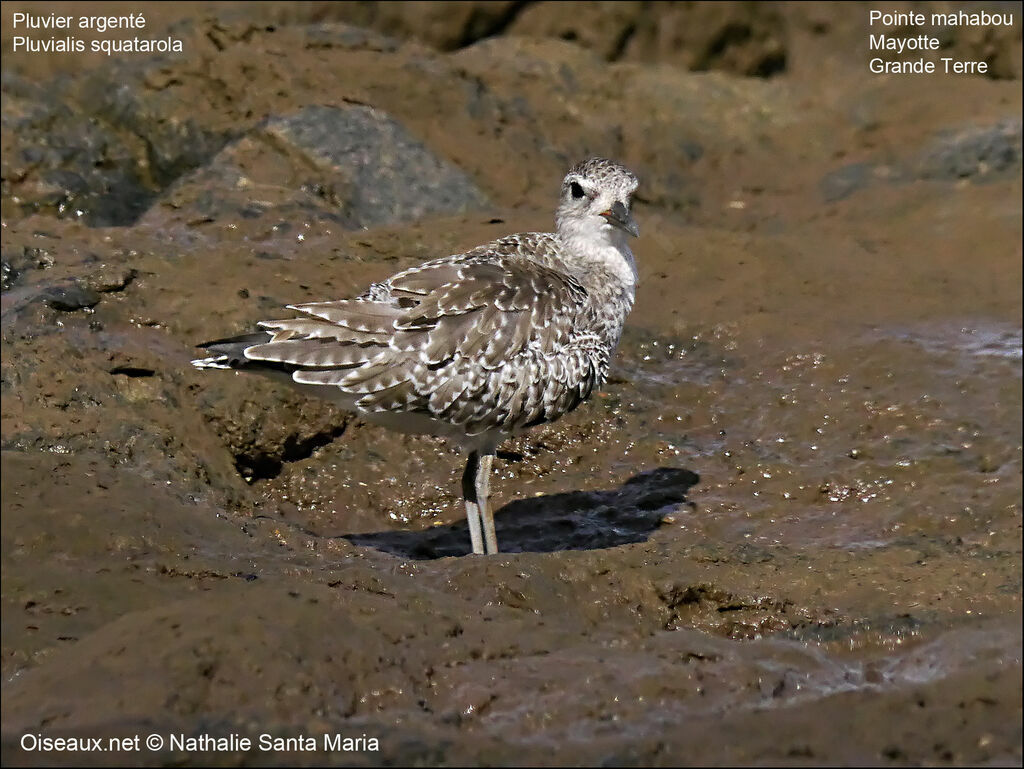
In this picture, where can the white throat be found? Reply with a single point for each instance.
(595, 251)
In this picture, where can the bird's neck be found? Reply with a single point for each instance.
(599, 258)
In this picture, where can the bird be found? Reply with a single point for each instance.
(475, 347)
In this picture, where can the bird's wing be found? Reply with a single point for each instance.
(418, 340)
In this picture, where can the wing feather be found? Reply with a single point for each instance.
(355, 314)
(314, 353)
(476, 340)
(315, 328)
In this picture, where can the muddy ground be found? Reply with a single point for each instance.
(786, 531)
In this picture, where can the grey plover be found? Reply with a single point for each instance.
(475, 347)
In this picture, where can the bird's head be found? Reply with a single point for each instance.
(595, 202)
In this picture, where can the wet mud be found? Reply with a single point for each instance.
(786, 531)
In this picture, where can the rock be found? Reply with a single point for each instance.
(354, 165)
(843, 182)
(9, 274)
(390, 176)
(978, 153)
(146, 103)
(740, 38)
(59, 160)
(70, 296)
(345, 36)
(17, 262)
(444, 25)
(79, 148)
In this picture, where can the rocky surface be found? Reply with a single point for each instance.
(787, 530)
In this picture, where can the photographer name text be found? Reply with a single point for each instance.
(232, 743)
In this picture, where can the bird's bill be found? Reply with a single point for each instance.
(618, 216)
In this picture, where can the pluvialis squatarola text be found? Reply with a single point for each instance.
(475, 347)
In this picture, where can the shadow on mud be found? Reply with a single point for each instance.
(577, 520)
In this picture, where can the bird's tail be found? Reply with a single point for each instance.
(230, 353)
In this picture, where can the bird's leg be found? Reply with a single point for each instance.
(483, 491)
(469, 494)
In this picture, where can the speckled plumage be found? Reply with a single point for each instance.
(476, 346)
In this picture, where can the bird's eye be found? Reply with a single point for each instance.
(576, 189)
